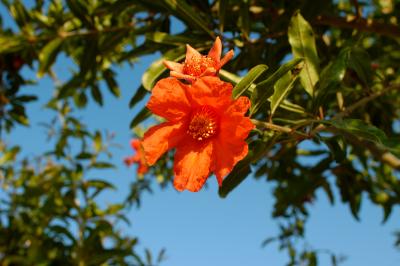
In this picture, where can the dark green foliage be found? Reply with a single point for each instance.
(316, 71)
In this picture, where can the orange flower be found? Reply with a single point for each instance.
(137, 158)
(197, 65)
(205, 125)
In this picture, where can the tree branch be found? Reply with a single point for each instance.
(360, 24)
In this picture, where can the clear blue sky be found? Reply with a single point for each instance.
(200, 229)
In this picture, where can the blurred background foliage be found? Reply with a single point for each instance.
(323, 78)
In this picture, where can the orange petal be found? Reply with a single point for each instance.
(168, 99)
(230, 146)
(241, 105)
(226, 58)
(158, 139)
(215, 51)
(210, 91)
(226, 155)
(234, 126)
(192, 165)
(173, 66)
(135, 144)
(182, 76)
(191, 52)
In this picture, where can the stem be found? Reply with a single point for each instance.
(360, 24)
(365, 100)
(274, 127)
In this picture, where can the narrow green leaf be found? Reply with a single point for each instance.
(360, 129)
(238, 174)
(10, 155)
(185, 12)
(48, 55)
(248, 80)
(157, 68)
(79, 10)
(96, 94)
(165, 38)
(97, 142)
(112, 84)
(80, 99)
(102, 165)
(265, 89)
(9, 44)
(360, 62)
(99, 184)
(139, 95)
(141, 116)
(302, 41)
(229, 77)
(223, 5)
(244, 18)
(281, 90)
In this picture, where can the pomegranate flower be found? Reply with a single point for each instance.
(137, 158)
(205, 125)
(197, 65)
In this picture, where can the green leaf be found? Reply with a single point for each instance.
(360, 129)
(265, 89)
(248, 80)
(80, 11)
(281, 90)
(185, 12)
(165, 38)
(157, 68)
(96, 94)
(48, 55)
(97, 141)
(102, 165)
(302, 41)
(244, 18)
(142, 115)
(99, 184)
(229, 77)
(10, 155)
(80, 99)
(242, 169)
(139, 95)
(360, 62)
(335, 145)
(108, 75)
(238, 174)
(9, 44)
(223, 5)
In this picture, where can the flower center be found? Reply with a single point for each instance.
(197, 65)
(203, 123)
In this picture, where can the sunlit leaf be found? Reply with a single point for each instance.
(302, 41)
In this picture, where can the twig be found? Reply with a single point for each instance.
(365, 100)
(360, 24)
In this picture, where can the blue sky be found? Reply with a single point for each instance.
(201, 228)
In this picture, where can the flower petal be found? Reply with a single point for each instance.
(215, 51)
(174, 66)
(158, 139)
(191, 52)
(210, 91)
(179, 75)
(226, 58)
(135, 144)
(192, 165)
(168, 99)
(241, 105)
(230, 146)
(226, 155)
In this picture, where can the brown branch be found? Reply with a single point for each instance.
(365, 100)
(360, 24)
